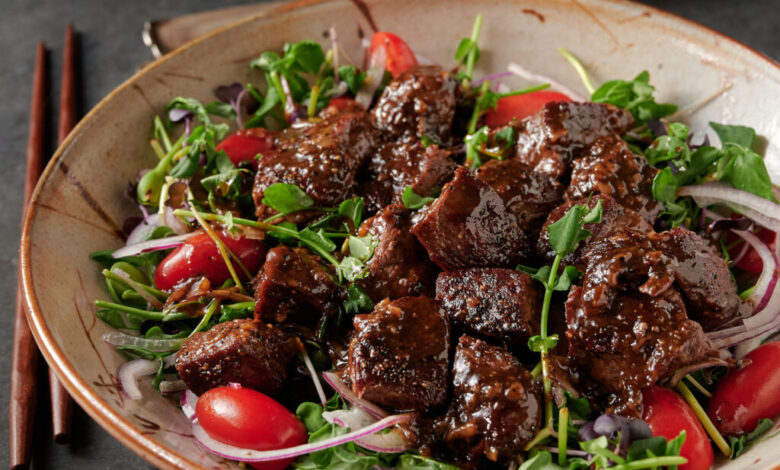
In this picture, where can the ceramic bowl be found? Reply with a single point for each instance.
(78, 206)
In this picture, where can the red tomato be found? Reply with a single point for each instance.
(520, 106)
(246, 418)
(199, 256)
(245, 144)
(668, 414)
(748, 394)
(751, 262)
(400, 57)
(343, 104)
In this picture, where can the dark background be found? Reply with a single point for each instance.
(111, 51)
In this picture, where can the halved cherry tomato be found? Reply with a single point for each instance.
(668, 414)
(748, 394)
(400, 57)
(246, 144)
(246, 418)
(520, 106)
(199, 256)
(751, 262)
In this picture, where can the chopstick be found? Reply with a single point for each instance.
(61, 403)
(24, 379)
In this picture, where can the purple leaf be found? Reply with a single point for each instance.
(229, 93)
(177, 114)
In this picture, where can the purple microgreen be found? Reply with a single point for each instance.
(178, 114)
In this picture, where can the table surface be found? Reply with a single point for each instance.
(111, 50)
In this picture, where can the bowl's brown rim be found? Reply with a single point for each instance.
(117, 425)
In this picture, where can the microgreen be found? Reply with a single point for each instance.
(412, 200)
(353, 77)
(741, 444)
(635, 96)
(286, 198)
(467, 53)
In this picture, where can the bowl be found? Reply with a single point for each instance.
(78, 206)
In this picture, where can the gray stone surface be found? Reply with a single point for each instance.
(110, 52)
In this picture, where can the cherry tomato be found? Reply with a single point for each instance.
(520, 106)
(343, 104)
(400, 57)
(748, 394)
(246, 418)
(199, 256)
(668, 414)
(751, 262)
(246, 144)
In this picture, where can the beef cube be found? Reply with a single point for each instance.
(399, 267)
(405, 163)
(609, 167)
(469, 226)
(557, 133)
(321, 156)
(242, 351)
(418, 103)
(613, 217)
(496, 303)
(528, 195)
(496, 409)
(294, 285)
(399, 354)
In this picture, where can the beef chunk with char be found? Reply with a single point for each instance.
(399, 267)
(468, 225)
(496, 303)
(556, 134)
(496, 409)
(248, 352)
(418, 103)
(528, 195)
(399, 164)
(399, 354)
(320, 156)
(293, 284)
(613, 217)
(609, 167)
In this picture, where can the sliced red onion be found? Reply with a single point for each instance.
(175, 223)
(683, 371)
(117, 338)
(761, 211)
(189, 401)
(138, 288)
(765, 285)
(152, 245)
(314, 376)
(141, 232)
(130, 372)
(248, 455)
(526, 74)
(373, 79)
(390, 442)
(365, 405)
(172, 386)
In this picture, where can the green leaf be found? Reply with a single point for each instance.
(227, 185)
(567, 232)
(541, 274)
(236, 311)
(362, 248)
(418, 462)
(699, 166)
(649, 447)
(317, 239)
(286, 198)
(357, 300)
(635, 96)
(541, 461)
(741, 135)
(566, 278)
(741, 444)
(308, 56)
(218, 108)
(665, 186)
(353, 77)
(594, 215)
(283, 237)
(465, 47)
(506, 135)
(745, 170)
(310, 415)
(352, 209)
(579, 408)
(536, 343)
(352, 269)
(412, 200)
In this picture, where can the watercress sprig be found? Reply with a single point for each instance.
(467, 54)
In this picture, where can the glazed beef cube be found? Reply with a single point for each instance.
(321, 156)
(399, 267)
(609, 167)
(242, 351)
(469, 226)
(528, 195)
(502, 304)
(557, 133)
(405, 163)
(294, 285)
(496, 409)
(399, 354)
(418, 103)
(613, 217)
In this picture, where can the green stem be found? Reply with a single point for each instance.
(653, 462)
(484, 88)
(543, 434)
(155, 292)
(575, 62)
(524, 91)
(206, 317)
(159, 130)
(548, 291)
(315, 93)
(704, 419)
(145, 314)
(698, 386)
(563, 428)
(472, 57)
(536, 370)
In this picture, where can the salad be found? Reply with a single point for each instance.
(397, 265)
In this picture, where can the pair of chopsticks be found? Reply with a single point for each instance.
(21, 412)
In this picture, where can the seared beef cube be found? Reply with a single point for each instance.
(613, 217)
(293, 283)
(496, 409)
(322, 157)
(399, 267)
(528, 195)
(632, 342)
(503, 304)
(242, 351)
(405, 163)
(418, 103)
(609, 167)
(399, 354)
(557, 133)
(469, 226)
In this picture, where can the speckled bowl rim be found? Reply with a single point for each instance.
(117, 425)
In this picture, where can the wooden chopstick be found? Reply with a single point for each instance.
(61, 403)
(24, 379)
